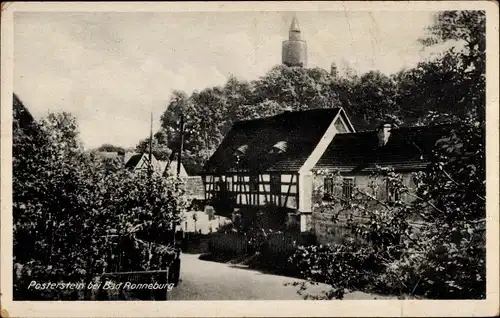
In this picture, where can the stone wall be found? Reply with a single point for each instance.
(328, 229)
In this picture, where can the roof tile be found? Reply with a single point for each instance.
(408, 148)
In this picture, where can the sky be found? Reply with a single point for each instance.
(111, 70)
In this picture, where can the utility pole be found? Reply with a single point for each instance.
(150, 146)
(150, 157)
(179, 156)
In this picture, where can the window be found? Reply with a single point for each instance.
(279, 147)
(238, 183)
(275, 183)
(347, 188)
(329, 187)
(242, 150)
(221, 185)
(240, 153)
(392, 192)
(254, 183)
(333, 188)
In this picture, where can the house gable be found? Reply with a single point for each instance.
(140, 161)
(340, 124)
(134, 160)
(171, 168)
(143, 163)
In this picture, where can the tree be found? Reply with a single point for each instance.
(451, 84)
(110, 148)
(297, 88)
(238, 94)
(454, 82)
(159, 146)
(434, 245)
(68, 207)
(467, 27)
(208, 115)
(179, 101)
(370, 97)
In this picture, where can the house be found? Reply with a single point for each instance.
(273, 160)
(141, 161)
(357, 155)
(172, 168)
(270, 160)
(193, 185)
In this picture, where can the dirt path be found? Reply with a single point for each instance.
(205, 280)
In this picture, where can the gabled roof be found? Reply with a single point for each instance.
(254, 139)
(407, 148)
(160, 166)
(172, 166)
(134, 160)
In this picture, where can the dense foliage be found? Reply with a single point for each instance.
(110, 148)
(429, 240)
(71, 207)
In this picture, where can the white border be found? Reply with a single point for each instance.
(487, 307)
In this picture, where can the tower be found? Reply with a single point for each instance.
(333, 70)
(294, 50)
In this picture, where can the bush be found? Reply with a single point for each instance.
(343, 266)
(69, 206)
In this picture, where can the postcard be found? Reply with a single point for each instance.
(249, 159)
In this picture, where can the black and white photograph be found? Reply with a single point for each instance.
(224, 152)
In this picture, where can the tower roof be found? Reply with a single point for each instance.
(295, 24)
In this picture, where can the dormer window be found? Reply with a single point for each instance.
(279, 147)
(241, 150)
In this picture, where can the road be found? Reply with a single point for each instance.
(206, 280)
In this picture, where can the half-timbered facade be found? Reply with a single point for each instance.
(270, 160)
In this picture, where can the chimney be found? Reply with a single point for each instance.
(384, 132)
